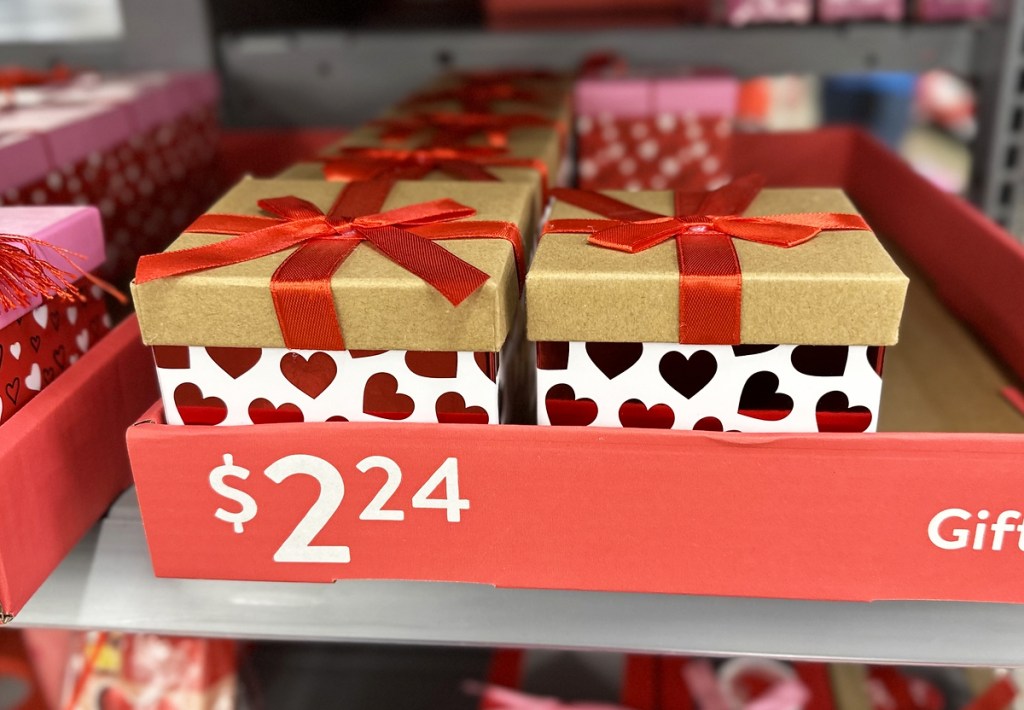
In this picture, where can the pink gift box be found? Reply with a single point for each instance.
(24, 158)
(744, 12)
(703, 95)
(69, 133)
(843, 10)
(75, 229)
(939, 10)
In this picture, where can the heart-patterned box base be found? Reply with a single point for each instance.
(37, 348)
(232, 386)
(755, 388)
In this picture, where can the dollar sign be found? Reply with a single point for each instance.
(248, 510)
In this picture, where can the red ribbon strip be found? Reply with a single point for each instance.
(478, 97)
(502, 76)
(301, 285)
(703, 227)
(457, 129)
(461, 163)
(25, 275)
(14, 76)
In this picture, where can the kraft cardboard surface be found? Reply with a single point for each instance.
(940, 377)
(841, 288)
(380, 305)
(532, 142)
(555, 98)
(528, 176)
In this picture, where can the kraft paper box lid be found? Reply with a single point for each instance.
(554, 98)
(380, 305)
(75, 229)
(840, 288)
(315, 171)
(538, 142)
(527, 176)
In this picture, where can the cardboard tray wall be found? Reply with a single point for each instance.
(63, 462)
(805, 516)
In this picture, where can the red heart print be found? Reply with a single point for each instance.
(552, 355)
(761, 399)
(488, 364)
(235, 361)
(820, 360)
(613, 359)
(381, 398)
(709, 424)
(171, 357)
(55, 320)
(442, 365)
(337, 418)
(451, 409)
(834, 413)
(564, 409)
(634, 414)
(49, 375)
(34, 341)
(262, 411)
(193, 408)
(688, 375)
(311, 375)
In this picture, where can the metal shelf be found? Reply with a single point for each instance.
(107, 582)
(310, 78)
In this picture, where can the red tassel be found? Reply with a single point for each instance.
(26, 275)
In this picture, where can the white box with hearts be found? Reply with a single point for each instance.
(742, 309)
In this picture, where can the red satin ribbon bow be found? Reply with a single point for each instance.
(477, 97)
(301, 285)
(457, 129)
(703, 227)
(460, 163)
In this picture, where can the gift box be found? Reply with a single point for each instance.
(151, 672)
(944, 10)
(44, 327)
(416, 325)
(532, 156)
(648, 313)
(139, 146)
(747, 12)
(844, 10)
(547, 95)
(655, 133)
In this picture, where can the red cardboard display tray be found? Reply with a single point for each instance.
(62, 460)
(929, 512)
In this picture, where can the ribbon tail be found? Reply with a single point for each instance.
(710, 289)
(303, 299)
(631, 237)
(449, 275)
(244, 247)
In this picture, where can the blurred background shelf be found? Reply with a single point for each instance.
(107, 582)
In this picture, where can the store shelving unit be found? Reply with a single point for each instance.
(339, 78)
(107, 582)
